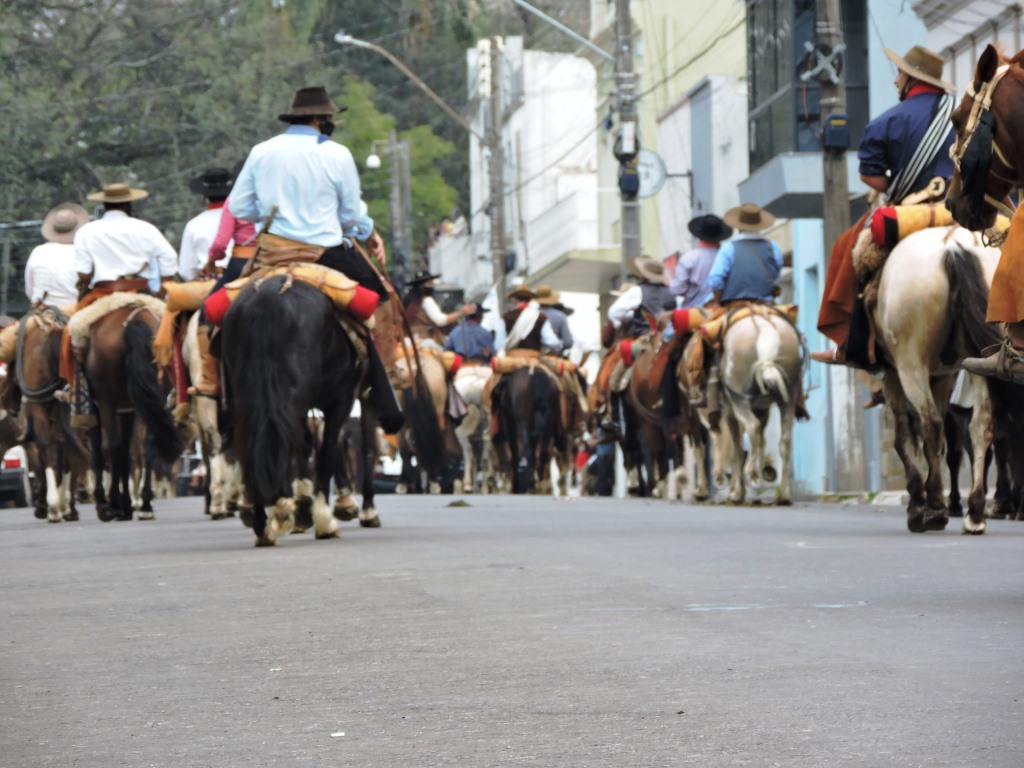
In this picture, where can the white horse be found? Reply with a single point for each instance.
(930, 315)
(762, 363)
(223, 476)
(475, 428)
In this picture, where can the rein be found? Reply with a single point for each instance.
(981, 111)
(48, 315)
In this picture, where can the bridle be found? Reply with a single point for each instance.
(981, 114)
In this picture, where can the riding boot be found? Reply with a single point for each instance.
(82, 413)
(385, 403)
(208, 384)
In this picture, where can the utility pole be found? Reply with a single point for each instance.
(401, 245)
(627, 145)
(495, 173)
(847, 470)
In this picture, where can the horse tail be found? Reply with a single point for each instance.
(768, 375)
(268, 432)
(145, 393)
(424, 426)
(968, 302)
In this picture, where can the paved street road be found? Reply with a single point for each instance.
(513, 632)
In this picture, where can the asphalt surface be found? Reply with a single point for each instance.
(513, 632)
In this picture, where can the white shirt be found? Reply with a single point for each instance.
(118, 245)
(429, 305)
(624, 306)
(313, 183)
(50, 275)
(196, 240)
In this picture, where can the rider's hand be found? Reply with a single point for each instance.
(468, 309)
(376, 247)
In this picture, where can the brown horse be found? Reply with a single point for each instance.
(989, 152)
(122, 377)
(58, 455)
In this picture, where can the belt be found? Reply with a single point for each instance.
(129, 284)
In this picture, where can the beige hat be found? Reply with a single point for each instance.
(118, 193)
(546, 295)
(62, 222)
(651, 270)
(921, 64)
(749, 217)
(522, 293)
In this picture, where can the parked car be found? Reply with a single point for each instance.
(15, 481)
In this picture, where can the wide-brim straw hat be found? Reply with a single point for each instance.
(310, 102)
(921, 64)
(649, 269)
(118, 193)
(62, 222)
(213, 182)
(749, 217)
(709, 228)
(522, 293)
(546, 295)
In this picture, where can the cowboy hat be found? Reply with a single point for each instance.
(522, 292)
(422, 276)
(214, 182)
(749, 217)
(651, 270)
(709, 228)
(62, 222)
(921, 64)
(546, 295)
(310, 102)
(118, 193)
(564, 309)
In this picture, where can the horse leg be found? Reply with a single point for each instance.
(324, 524)
(464, 434)
(981, 439)
(345, 507)
(753, 425)
(100, 449)
(1003, 503)
(261, 526)
(122, 469)
(788, 416)
(737, 490)
(955, 439)
(904, 442)
(148, 461)
(368, 512)
(701, 489)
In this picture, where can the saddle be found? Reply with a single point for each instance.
(346, 294)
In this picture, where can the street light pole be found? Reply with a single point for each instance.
(625, 82)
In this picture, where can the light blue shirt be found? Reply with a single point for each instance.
(726, 255)
(314, 184)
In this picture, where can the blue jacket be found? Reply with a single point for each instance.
(746, 268)
(471, 341)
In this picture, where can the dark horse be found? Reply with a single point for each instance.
(285, 353)
(526, 405)
(57, 449)
(123, 381)
(989, 160)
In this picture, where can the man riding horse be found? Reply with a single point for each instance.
(305, 188)
(426, 319)
(116, 253)
(197, 238)
(904, 157)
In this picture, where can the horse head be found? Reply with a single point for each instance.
(989, 143)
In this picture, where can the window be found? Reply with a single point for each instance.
(784, 111)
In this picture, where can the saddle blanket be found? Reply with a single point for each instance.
(510, 363)
(346, 294)
(184, 297)
(714, 323)
(892, 223)
(82, 321)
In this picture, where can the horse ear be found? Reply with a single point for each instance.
(987, 65)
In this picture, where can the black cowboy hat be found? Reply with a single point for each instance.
(709, 228)
(421, 277)
(564, 309)
(310, 102)
(214, 182)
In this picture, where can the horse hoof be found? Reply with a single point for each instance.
(53, 519)
(40, 514)
(71, 516)
(232, 507)
(304, 516)
(104, 513)
(146, 516)
(246, 515)
(124, 517)
(702, 497)
(780, 502)
(401, 489)
(971, 528)
(346, 512)
(263, 541)
(936, 522)
(328, 534)
(217, 515)
(915, 523)
(956, 511)
(373, 522)
(769, 473)
(297, 529)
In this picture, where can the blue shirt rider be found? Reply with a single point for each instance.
(471, 340)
